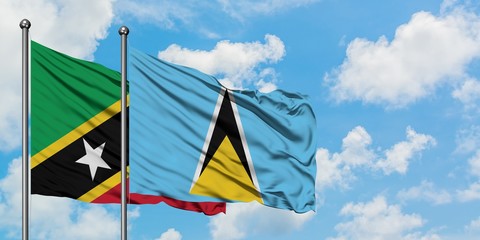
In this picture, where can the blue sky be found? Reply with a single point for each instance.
(394, 85)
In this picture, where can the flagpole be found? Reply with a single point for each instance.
(25, 26)
(123, 31)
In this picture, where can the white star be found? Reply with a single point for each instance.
(93, 158)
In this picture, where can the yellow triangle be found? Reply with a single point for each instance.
(225, 177)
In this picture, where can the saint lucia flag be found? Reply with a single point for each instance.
(194, 140)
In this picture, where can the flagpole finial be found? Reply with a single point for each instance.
(25, 24)
(123, 30)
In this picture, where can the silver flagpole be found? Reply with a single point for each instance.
(25, 26)
(123, 31)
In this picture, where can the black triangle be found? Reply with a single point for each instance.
(226, 125)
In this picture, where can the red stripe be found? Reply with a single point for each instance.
(208, 208)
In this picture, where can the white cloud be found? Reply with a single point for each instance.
(473, 226)
(420, 236)
(411, 66)
(468, 94)
(355, 150)
(58, 24)
(248, 219)
(337, 168)
(468, 140)
(471, 231)
(448, 5)
(331, 171)
(53, 217)
(242, 69)
(92, 222)
(133, 213)
(170, 234)
(265, 87)
(474, 163)
(61, 24)
(398, 157)
(243, 9)
(425, 191)
(377, 220)
(164, 13)
(470, 194)
(11, 195)
(170, 13)
(268, 80)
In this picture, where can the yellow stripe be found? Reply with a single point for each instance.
(75, 134)
(102, 188)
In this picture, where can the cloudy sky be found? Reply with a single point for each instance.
(395, 86)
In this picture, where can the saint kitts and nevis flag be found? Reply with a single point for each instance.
(194, 140)
(75, 133)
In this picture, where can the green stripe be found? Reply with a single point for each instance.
(66, 92)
